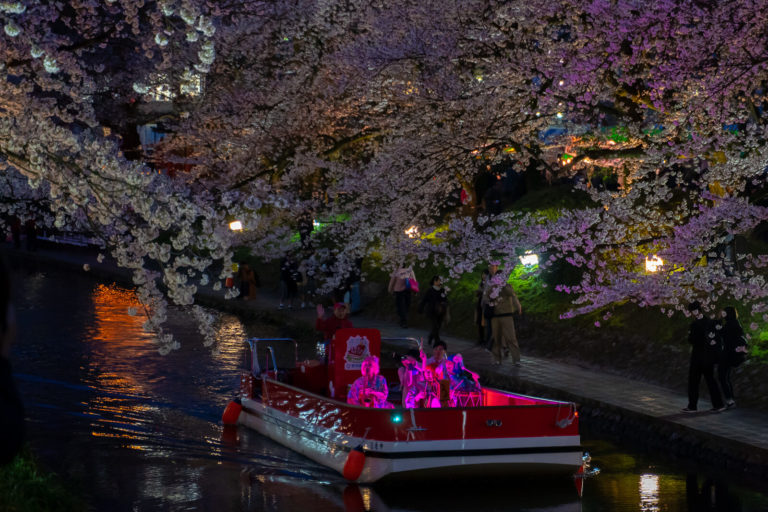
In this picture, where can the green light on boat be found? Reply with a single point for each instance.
(397, 417)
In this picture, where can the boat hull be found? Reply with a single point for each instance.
(482, 440)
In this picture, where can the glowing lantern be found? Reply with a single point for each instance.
(236, 225)
(653, 264)
(412, 232)
(529, 259)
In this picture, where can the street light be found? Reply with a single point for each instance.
(653, 264)
(529, 259)
(412, 232)
(236, 225)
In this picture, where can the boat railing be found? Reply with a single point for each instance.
(416, 341)
(256, 344)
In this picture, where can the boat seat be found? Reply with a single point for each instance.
(466, 399)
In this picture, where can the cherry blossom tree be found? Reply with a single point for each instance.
(393, 104)
(376, 115)
(64, 64)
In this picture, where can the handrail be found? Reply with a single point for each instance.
(271, 350)
(415, 340)
(252, 344)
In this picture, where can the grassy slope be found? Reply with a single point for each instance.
(26, 487)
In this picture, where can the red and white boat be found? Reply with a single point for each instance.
(302, 408)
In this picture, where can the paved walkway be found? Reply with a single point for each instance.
(737, 438)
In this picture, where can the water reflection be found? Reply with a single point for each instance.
(112, 322)
(119, 412)
(649, 493)
(711, 495)
(270, 493)
(230, 341)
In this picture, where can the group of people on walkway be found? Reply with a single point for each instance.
(29, 228)
(716, 348)
(433, 303)
(496, 305)
(438, 381)
(300, 275)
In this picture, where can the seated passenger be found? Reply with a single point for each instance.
(438, 362)
(370, 389)
(411, 378)
(438, 359)
(462, 379)
(431, 389)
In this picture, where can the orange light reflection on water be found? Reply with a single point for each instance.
(112, 364)
(113, 323)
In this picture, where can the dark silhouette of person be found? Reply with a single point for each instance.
(249, 281)
(705, 353)
(31, 230)
(712, 496)
(306, 224)
(494, 198)
(11, 408)
(732, 334)
(15, 223)
(434, 304)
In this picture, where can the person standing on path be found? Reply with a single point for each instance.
(480, 319)
(289, 277)
(31, 230)
(501, 295)
(486, 303)
(249, 281)
(435, 305)
(400, 287)
(733, 337)
(705, 352)
(15, 223)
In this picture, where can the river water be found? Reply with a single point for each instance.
(136, 431)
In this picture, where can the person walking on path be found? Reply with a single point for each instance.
(435, 305)
(401, 285)
(705, 353)
(501, 295)
(734, 353)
